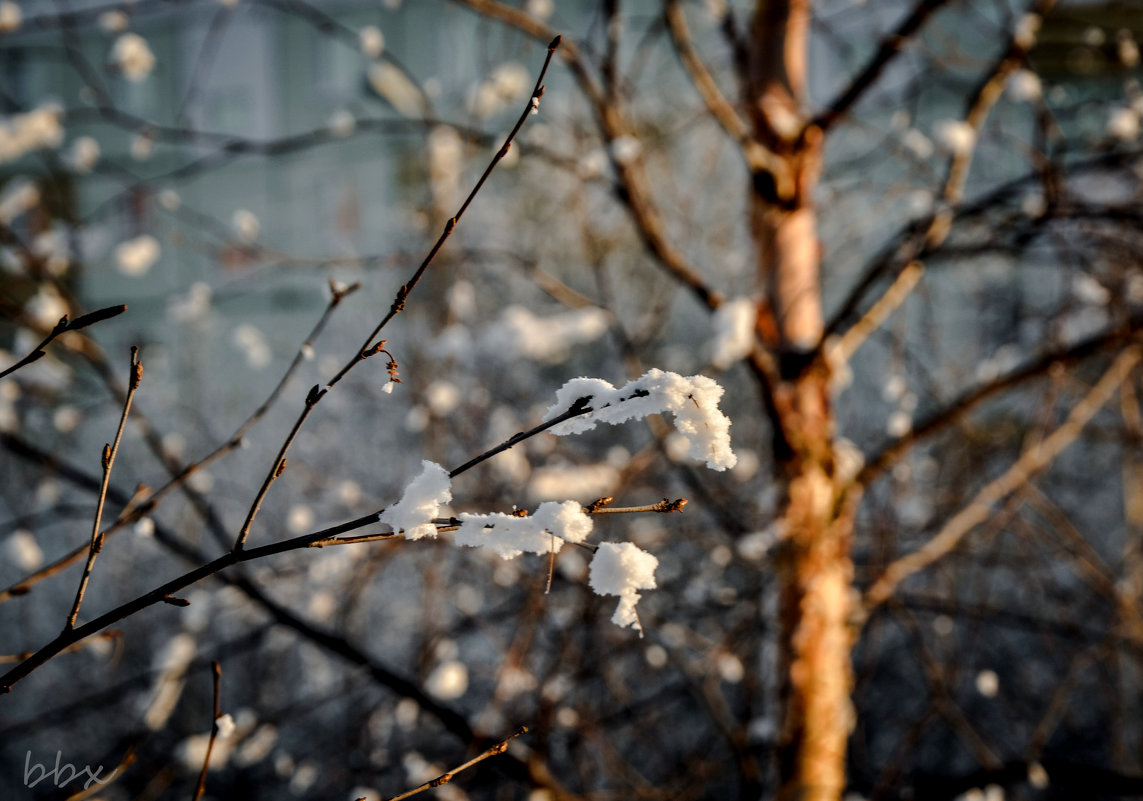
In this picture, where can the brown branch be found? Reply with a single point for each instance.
(329, 641)
(1032, 461)
(757, 156)
(407, 288)
(200, 788)
(109, 636)
(138, 506)
(931, 236)
(278, 465)
(959, 408)
(109, 453)
(449, 775)
(636, 193)
(891, 46)
(580, 407)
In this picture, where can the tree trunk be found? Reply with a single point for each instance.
(816, 569)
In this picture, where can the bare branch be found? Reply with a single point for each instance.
(200, 788)
(891, 46)
(64, 325)
(757, 156)
(1032, 461)
(449, 775)
(109, 453)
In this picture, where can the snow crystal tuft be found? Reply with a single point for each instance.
(421, 502)
(693, 401)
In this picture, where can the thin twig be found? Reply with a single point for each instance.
(580, 407)
(406, 289)
(961, 406)
(61, 327)
(278, 466)
(107, 636)
(337, 295)
(109, 452)
(142, 504)
(841, 352)
(448, 776)
(368, 348)
(336, 644)
(203, 61)
(665, 506)
(216, 669)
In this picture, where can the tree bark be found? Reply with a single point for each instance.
(815, 566)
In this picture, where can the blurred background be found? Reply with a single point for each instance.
(216, 165)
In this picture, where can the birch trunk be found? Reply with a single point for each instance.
(816, 569)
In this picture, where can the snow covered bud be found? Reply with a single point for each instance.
(371, 41)
(391, 83)
(84, 154)
(131, 56)
(224, 725)
(1027, 27)
(135, 257)
(733, 332)
(955, 136)
(246, 226)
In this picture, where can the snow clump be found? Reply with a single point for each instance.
(135, 257)
(955, 136)
(693, 401)
(733, 329)
(508, 536)
(620, 568)
(394, 85)
(421, 503)
(132, 56)
(33, 130)
(371, 41)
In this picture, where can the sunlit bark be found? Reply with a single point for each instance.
(816, 569)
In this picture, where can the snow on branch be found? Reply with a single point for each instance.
(508, 536)
(421, 502)
(620, 569)
(692, 401)
(616, 569)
